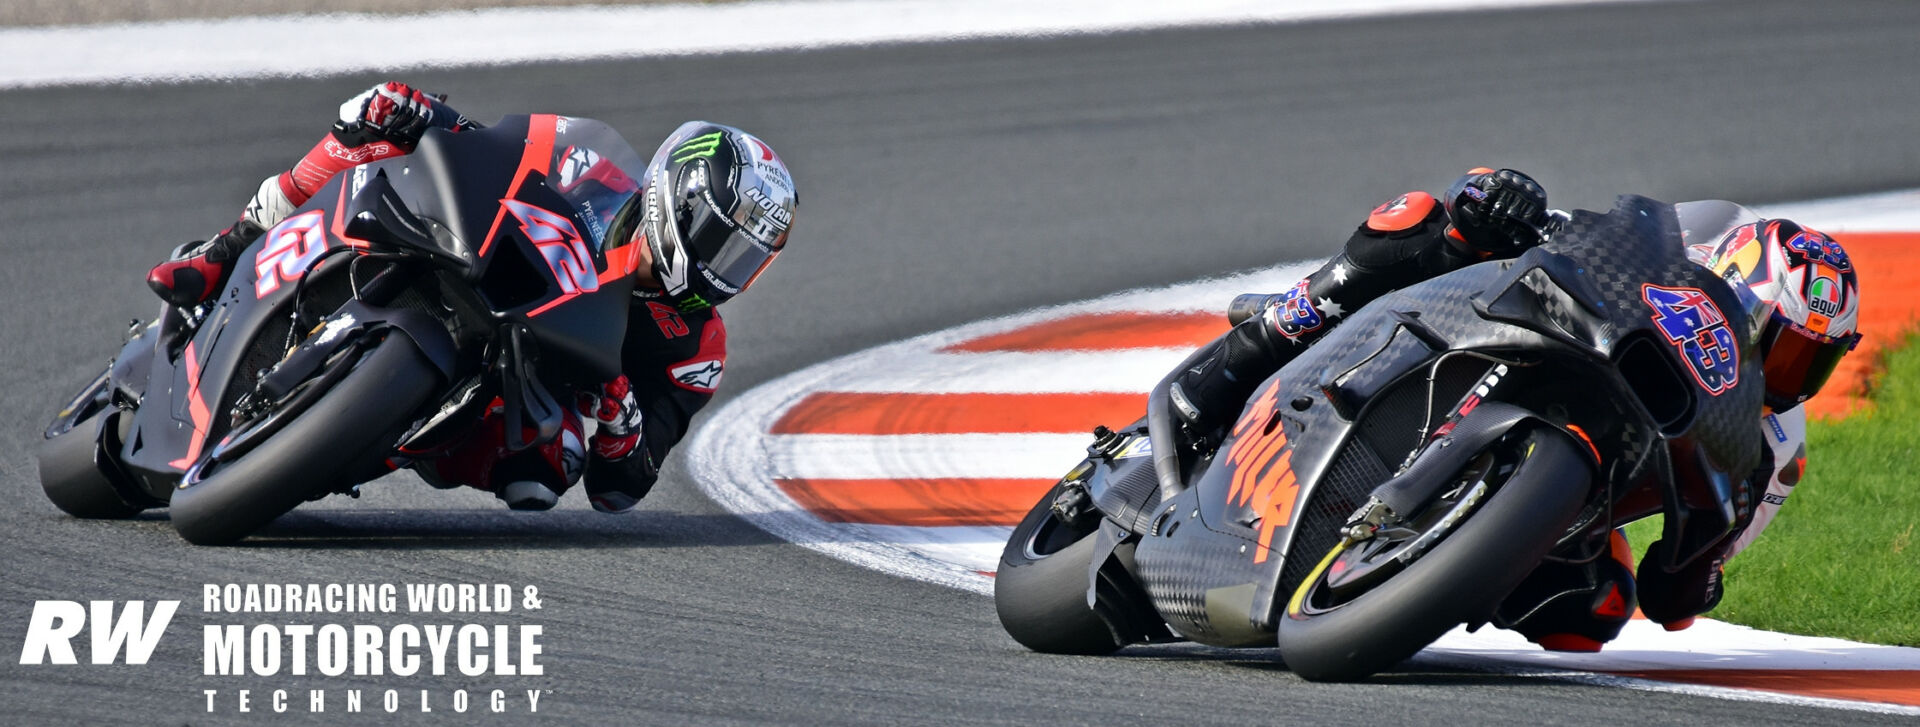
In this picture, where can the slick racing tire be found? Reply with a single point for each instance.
(358, 419)
(1040, 591)
(72, 469)
(1327, 635)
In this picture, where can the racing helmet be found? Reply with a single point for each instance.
(1805, 291)
(719, 204)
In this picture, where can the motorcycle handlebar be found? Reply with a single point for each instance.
(1247, 306)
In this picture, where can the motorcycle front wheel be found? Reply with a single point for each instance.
(1369, 605)
(1040, 590)
(73, 471)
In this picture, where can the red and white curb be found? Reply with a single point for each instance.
(915, 458)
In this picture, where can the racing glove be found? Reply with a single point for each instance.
(621, 470)
(618, 415)
(391, 111)
(1497, 213)
(383, 122)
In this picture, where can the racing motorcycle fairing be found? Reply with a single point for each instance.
(1562, 336)
(465, 246)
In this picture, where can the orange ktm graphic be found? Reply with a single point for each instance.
(1263, 468)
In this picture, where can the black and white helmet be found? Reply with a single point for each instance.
(719, 205)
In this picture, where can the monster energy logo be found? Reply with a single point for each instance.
(697, 147)
(692, 303)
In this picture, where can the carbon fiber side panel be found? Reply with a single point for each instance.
(1132, 492)
(1200, 580)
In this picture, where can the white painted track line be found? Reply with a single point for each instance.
(856, 456)
(1130, 370)
(322, 45)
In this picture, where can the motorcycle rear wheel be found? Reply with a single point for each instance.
(1325, 636)
(363, 413)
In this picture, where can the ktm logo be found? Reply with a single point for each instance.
(1262, 464)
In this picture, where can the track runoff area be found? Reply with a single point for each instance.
(916, 458)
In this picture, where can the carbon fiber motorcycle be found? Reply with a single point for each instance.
(380, 321)
(1406, 473)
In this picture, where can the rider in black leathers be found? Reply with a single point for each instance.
(1486, 214)
(674, 348)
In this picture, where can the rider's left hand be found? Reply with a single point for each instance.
(618, 415)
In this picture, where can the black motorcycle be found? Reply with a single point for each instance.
(1406, 473)
(375, 325)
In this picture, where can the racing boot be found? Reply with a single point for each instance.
(1673, 599)
(1206, 395)
(535, 478)
(1568, 607)
(196, 271)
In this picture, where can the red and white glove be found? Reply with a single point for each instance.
(618, 415)
(392, 111)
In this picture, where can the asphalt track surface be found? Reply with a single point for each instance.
(942, 183)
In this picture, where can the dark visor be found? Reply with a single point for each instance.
(728, 251)
(1799, 362)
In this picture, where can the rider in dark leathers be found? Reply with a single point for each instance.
(675, 347)
(1493, 214)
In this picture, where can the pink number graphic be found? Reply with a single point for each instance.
(291, 248)
(558, 242)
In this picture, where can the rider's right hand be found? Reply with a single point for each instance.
(1496, 213)
(392, 111)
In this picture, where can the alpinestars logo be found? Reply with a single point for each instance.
(358, 154)
(1392, 206)
(698, 375)
(575, 166)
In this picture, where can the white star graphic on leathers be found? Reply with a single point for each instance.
(1340, 273)
(1329, 308)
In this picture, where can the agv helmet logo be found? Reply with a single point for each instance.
(1823, 296)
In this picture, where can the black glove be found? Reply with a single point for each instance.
(1497, 212)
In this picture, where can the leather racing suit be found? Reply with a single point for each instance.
(1408, 240)
(671, 359)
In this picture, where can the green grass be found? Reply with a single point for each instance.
(1842, 558)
